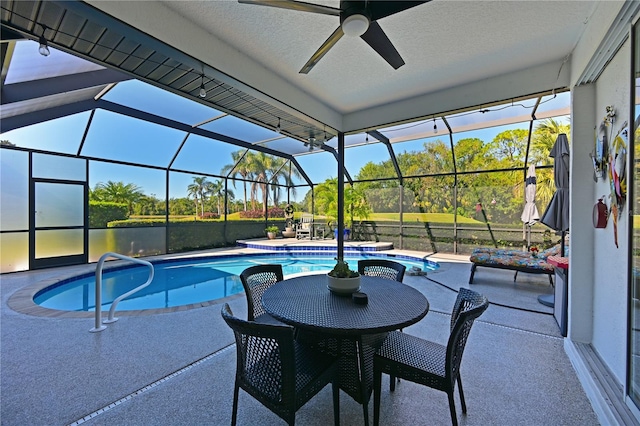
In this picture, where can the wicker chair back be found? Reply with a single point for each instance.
(429, 363)
(382, 268)
(256, 280)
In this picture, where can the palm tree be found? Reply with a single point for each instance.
(118, 192)
(217, 190)
(286, 176)
(260, 164)
(235, 169)
(274, 175)
(355, 201)
(543, 139)
(199, 190)
(264, 171)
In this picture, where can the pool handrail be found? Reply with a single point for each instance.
(98, 325)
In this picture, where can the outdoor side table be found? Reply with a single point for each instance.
(306, 303)
(561, 299)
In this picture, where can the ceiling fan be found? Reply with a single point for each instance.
(357, 18)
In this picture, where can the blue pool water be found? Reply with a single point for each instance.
(184, 282)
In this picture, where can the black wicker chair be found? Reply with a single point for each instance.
(428, 363)
(280, 373)
(256, 280)
(382, 268)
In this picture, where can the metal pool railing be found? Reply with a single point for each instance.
(98, 326)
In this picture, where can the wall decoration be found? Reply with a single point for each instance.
(600, 214)
(618, 176)
(600, 154)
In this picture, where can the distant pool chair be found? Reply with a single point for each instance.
(256, 280)
(277, 371)
(304, 228)
(382, 268)
(428, 363)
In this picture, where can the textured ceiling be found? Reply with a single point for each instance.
(459, 55)
(444, 44)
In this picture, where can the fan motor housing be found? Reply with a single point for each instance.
(349, 8)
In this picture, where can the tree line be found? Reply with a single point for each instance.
(473, 192)
(497, 196)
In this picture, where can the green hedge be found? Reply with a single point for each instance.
(102, 212)
(132, 223)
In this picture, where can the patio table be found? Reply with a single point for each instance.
(354, 331)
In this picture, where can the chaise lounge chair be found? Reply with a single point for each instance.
(305, 227)
(515, 260)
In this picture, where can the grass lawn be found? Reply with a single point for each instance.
(421, 217)
(407, 217)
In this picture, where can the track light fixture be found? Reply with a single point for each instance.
(278, 129)
(44, 47)
(203, 91)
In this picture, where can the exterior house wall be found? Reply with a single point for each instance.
(610, 262)
(581, 231)
(598, 270)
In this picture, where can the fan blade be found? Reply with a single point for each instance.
(328, 44)
(380, 9)
(378, 40)
(295, 5)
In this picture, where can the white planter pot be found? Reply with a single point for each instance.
(343, 285)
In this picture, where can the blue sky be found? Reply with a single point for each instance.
(116, 137)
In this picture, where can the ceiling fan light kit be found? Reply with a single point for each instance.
(355, 25)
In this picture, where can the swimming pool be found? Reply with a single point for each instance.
(185, 282)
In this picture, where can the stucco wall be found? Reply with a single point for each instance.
(598, 270)
(610, 263)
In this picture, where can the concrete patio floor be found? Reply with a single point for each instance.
(178, 368)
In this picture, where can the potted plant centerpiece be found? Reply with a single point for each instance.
(272, 232)
(343, 280)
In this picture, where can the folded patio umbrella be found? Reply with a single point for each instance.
(530, 213)
(556, 216)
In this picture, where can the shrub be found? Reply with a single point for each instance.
(103, 212)
(274, 212)
(137, 222)
(251, 214)
(209, 215)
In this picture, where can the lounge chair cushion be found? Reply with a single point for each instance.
(511, 258)
(516, 260)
